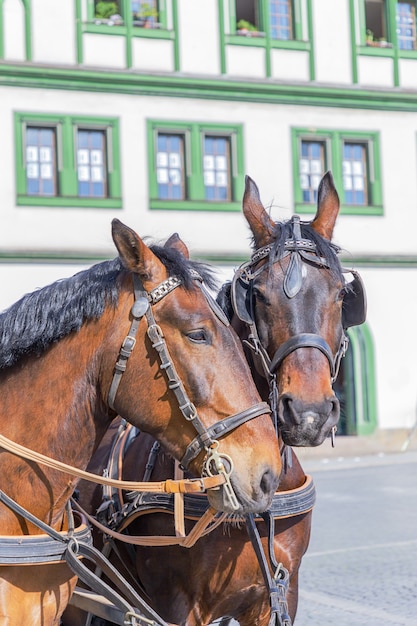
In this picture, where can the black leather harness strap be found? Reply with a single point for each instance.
(222, 428)
(132, 607)
(276, 585)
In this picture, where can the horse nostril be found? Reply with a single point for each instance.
(268, 482)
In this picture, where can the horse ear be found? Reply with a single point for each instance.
(258, 219)
(135, 254)
(176, 242)
(328, 205)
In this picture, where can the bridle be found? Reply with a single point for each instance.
(300, 250)
(215, 463)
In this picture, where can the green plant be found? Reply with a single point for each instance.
(147, 11)
(105, 9)
(369, 35)
(245, 25)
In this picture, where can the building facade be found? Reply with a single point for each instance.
(154, 111)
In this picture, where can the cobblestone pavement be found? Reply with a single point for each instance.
(361, 566)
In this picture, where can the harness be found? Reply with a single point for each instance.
(215, 464)
(300, 251)
(118, 510)
(217, 468)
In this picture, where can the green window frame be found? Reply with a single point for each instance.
(139, 15)
(381, 32)
(160, 26)
(264, 30)
(353, 158)
(27, 29)
(198, 176)
(63, 162)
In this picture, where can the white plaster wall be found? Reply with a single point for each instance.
(375, 71)
(292, 65)
(332, 41)
(199, 36)
(104, 51)
(391, 317)
(152, 55)
(53, 28)
(17, 279)
(245, 61)
(268, 159)
(14, 30)
(408, 73)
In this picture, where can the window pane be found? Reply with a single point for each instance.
(144, 13)
(41, 166)
(247, 12)
(406, 25)
(216, 169)
(355, 175)
(312, 167)
(170, 167)
(375, 19)
(92, 163)
(109, 10)
(280, 18)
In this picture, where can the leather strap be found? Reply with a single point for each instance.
(277, 587)
(190, 485)
(133, 607)
(204, 526)
(222, 428)
(303, 340)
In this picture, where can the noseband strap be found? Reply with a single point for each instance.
(222, 428)
(303, 340)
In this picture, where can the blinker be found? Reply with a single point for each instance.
(139, 308)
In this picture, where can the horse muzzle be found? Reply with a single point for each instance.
(304, 424)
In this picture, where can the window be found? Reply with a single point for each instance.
(195, 166)
(376, 21)
(91, 163)
(355, 183)
(389, 22)
(280, 15)
(406, 25)
(170, 167)
(354, 160)
(312, 168)
(65, 161)
(216, 165)
(138, 13)
(274, 17)
(41, 165)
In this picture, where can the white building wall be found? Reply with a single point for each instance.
(267, 154)
(332, 41)
(53, 27)
(14, 30)
(199, 36)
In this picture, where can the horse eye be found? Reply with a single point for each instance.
(198, 336)
(259, 296)
(342, 293)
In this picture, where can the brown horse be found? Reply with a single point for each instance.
(64, 377)
(289, 305)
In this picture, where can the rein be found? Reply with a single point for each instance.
(215, 464)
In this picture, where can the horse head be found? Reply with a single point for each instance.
(293, 297)
(204, 415)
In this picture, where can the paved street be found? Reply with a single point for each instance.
(361, 567)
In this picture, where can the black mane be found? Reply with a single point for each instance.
(45, 316)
